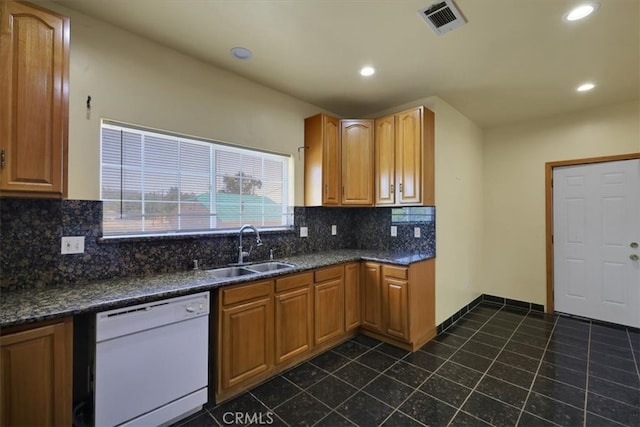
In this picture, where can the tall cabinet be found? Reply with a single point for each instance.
(34, 65)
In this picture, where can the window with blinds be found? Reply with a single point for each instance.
(159, 183)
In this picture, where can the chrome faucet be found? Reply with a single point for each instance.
(241, 253)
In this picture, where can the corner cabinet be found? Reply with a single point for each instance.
(388, 161)
(36, 369)
(322, 161)
(34, 53)
(404, 158)
(398, 303)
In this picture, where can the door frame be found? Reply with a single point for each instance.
(548, 184)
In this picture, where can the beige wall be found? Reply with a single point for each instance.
(459, 189)
(489, 185)
(514, 194)
(133, 80)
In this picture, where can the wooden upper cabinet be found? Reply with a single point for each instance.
(356, 145)
(385, 160)
(322, 161)
(414, 136)
(34, 70)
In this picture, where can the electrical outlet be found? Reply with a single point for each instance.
(304, 232)
(72, 245)
(394, 231)
(416, 232)
(334, 230)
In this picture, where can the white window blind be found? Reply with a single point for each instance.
(154, 184)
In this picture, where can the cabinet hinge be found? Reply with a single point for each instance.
(3, 159)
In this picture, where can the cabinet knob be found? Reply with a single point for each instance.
(633, 257)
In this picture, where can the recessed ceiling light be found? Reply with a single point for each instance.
(241, 53)
(582, 11)
(367, 71)
(585, 87)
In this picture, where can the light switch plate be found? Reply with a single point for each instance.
(304, 232)
(394, 231)
(334, 230)
(416, 232)
(72, 245)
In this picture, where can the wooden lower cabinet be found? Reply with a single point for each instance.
(245, 335)
(371, 297)
(352, 296)
(398, 303)
(265, 327)
(395, 301)
(36, 369)
(293, 316)
(328, 302)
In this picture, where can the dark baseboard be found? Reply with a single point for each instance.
(490, 300)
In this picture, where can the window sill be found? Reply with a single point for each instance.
(184, 236)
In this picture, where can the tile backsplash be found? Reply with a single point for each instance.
(31, 232)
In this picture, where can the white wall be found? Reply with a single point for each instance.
(459, 189)
(134, 80)
(514, 263)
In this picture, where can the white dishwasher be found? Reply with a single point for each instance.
(151, 363)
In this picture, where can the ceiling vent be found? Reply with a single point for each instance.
(442, 16)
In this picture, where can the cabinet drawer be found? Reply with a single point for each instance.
(393, 271)
(240, 293)
(295, 281)
(329, 273)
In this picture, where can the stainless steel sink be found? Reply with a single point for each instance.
(269, 266)
(227, 272)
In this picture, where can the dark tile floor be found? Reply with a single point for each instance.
(495, 366)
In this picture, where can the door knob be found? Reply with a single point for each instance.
(634, 245)
(633, 257)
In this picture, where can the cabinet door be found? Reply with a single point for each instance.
(321, 161)
(293, 323)
(328, 300)
(371, 297)
(34, 105)
(331, 162)
(357, 162)
(385, 160)
(246, 341)
(409, 156)
(395, 302)
(352, 296)
(36, 376)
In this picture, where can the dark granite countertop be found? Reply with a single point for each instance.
(32, 305)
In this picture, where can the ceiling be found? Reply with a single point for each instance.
(514, 60)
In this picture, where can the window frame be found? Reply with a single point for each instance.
(214, 146)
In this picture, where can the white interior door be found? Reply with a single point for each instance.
(596, 232)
